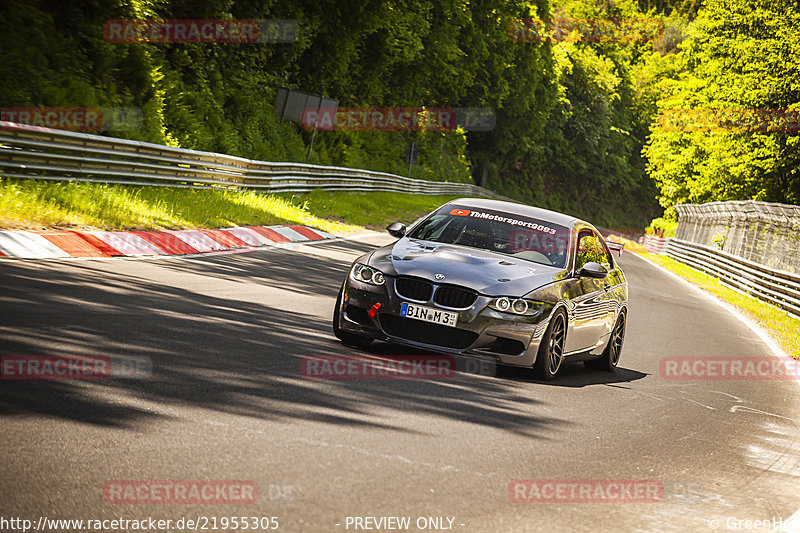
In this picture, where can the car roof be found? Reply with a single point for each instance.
(544, 215)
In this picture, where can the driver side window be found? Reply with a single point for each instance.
(591, 249)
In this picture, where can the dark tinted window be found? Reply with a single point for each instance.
(515, 235)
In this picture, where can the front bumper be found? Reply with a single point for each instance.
(480, 331)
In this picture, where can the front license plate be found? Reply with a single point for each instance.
(428, 314)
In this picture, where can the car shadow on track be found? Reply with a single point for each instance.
(569, 375)
(575, 375)
(216, 344)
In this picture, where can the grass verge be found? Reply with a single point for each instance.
(782, 327)
(38, 205)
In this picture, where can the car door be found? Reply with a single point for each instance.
(611, 287)
(589, 307)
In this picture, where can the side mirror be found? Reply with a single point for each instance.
(593, 270)
(396, 229)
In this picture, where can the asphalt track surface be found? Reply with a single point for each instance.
(227, 401)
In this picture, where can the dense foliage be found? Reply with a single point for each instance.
(573, 117)
(738, 55)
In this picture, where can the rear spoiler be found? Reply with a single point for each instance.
(615, 246)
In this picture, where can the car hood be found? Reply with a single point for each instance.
(487, 272)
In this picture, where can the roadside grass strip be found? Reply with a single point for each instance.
(39, 205)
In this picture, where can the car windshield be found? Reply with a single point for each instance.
(515, 235)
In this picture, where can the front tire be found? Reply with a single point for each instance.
(608, 361)
(350, 339)
(551, 349)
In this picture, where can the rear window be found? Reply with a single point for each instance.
(515, 235)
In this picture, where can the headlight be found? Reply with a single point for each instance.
(366, 274)
(519, 306)
(516, 306)
(501, 304)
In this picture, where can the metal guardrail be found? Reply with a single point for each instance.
(653, 244)
(763, 232)
(777, 287)
(32, 152)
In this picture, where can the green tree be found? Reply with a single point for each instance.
(739, 54)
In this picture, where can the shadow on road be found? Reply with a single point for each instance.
(215, 348)
(576, 375)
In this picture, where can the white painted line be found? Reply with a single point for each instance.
(363, 235)
(127, 243)
(791, 524)
(27, 245)
(197, 240)
(777, 351)
(253, 238)
(289, 233)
